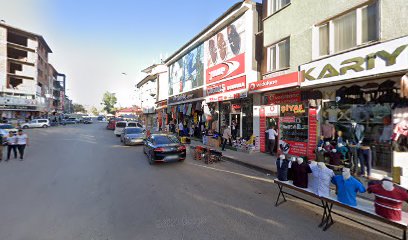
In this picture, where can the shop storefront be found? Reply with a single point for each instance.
(360, 95)
(162, 117)
(186, 108)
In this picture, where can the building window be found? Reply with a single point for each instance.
(354, 28)
(278, 55)
(276, 5)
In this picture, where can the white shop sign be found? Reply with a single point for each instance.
(381, 58)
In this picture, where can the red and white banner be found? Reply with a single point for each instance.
(283, 81)
(227, 69)
(227, 86)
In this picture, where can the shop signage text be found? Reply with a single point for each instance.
(380, 58)
(228, 86)
(295, 108)
(188, 96)
(227, 69)
(279, 98)
(283, 81)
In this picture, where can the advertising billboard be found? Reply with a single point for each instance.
(187, 72)
(226, 44)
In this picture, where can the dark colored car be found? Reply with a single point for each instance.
(133, 136)
(87, 120)
(164, 148)
(100, 118)
(68, 121)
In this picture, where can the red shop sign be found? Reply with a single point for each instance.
(283, 81)
(280, 98)
(227, 86)
(227, 69)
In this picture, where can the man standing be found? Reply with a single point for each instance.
(271, 138)
(226, 136)
(181, 128)
(22, 142)
(11, 141)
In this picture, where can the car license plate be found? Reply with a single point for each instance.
(172, 157)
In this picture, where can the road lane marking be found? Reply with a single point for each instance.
(234, 173)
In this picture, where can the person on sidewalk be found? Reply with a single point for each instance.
(226, 136)
(271, 138)
(22, 142)
(11, 142)
(181, 129)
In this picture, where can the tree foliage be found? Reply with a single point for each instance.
(79, 108)
(94, 111)
(108, 101)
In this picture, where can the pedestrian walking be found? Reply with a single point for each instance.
(2, 139)
(226, 136)
(271, 138)
(11, 142)
(22, 142)
(181, 128)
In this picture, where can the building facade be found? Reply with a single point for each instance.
(27, 80)
(333, 79)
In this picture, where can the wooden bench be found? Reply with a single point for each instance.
(364, 208)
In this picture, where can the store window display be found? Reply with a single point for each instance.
(328, 131)
(300, 173)
(283, 165)
(322, 179)
(347, 187)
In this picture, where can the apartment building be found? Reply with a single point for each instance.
(56, 93)
(153, 95)
(24, 73)
(331, 72)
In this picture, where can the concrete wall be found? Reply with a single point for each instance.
(297, 21)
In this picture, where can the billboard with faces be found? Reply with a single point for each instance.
(226, 44)
(188, 72)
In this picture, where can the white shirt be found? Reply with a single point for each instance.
(271, 134)
(21, 139)
(323, 177)
(181, 127)
(11, 140)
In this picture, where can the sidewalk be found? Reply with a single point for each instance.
(259, 161)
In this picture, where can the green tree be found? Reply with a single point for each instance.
(94, 111)
(79, 108)
(108, 101)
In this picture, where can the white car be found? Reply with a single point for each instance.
(120, 127)
(36, 123)
(6, 128)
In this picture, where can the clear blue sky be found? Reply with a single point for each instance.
(94, 41)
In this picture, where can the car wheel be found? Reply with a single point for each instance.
(117, 135)
(25, 127)
(44, 126)
(121, 139)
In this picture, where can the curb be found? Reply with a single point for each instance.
(251, 166)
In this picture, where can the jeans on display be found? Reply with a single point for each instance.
(365, 160)
(354, 159)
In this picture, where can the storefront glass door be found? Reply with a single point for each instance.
(235, 120)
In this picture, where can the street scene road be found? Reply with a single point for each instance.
(80, 182)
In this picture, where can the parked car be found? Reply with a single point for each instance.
(134, 124)
(87, 120)
(164, 148)
(37, 123)
(68, 121)
(6, 128)
(133, 136)
(119, 127)
(112, 123)
(74, 119)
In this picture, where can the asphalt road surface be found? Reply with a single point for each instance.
(79, 182)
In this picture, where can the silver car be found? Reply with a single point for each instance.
(133, 135)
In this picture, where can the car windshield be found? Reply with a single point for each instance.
(134, 130)
(121, 124)
(165, 139)
(6, 126)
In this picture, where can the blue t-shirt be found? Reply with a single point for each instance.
(347, 189)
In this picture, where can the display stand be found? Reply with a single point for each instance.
(327, 204)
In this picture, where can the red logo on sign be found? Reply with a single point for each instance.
(227, 69)
(287, 80)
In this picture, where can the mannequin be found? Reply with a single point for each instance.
(312, 180)
(283, 165)
(300, 172)
(347, 187)
(358, 132)
(321, 141)
(328, 130)
(292, 160)
(333, 113)
(340, 138)
(323, 176)
(319, 154)
(388, 199)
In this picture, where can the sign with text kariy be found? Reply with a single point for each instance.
(386, 57)
(227, 86)
(281, 98)
(226, 69)
(283, 81)
(186, 97)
